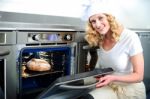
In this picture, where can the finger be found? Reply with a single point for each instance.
(99, 85)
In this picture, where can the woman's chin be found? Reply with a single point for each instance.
(102, 33)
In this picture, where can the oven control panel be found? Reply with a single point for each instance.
(50, 36)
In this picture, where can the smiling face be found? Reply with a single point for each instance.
(100, 23)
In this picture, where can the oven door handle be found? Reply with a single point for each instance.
(65, 86)
(4, 52)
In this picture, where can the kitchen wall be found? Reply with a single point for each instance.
(133, 13)
(69, 8)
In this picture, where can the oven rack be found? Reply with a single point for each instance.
(37, 73)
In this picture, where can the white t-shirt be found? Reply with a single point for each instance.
(119, 56)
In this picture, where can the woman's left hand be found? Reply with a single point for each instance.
(104, 80)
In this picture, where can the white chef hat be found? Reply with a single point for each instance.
(91, 7)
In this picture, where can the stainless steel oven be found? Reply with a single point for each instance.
(54, 44)
(56, 47)
(7, 64)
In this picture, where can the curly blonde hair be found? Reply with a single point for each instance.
(94, 39)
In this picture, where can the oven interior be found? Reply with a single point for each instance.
(32, 83)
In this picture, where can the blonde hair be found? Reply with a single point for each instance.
(94, 39)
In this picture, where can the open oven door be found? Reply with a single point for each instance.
(73, 86)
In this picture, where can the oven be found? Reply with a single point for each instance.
(54, 44)
(58, 48)
(7, 64)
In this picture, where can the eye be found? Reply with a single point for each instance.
(92, 21)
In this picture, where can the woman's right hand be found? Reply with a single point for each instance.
(104, 80)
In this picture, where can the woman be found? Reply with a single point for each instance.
(120, 49)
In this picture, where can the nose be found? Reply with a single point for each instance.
(98, 24)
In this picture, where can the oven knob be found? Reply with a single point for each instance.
(68, 37)
(36, 37)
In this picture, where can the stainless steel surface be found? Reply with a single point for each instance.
(10, 79)
(12, 20)
(145, 40)
(8, 39)
(140, 30)
(26, 37)
(4, 52)
(36, 26)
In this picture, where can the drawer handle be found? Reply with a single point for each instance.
(65, 86)
(4, 52)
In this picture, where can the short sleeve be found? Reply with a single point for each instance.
(135, 45)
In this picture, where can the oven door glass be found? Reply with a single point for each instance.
(32, 82)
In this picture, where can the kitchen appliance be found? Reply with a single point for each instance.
(53, 43)
(56, 47)
(144, 35)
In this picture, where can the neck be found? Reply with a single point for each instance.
(109, 33)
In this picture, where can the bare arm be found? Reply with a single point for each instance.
(138, 70)
(135, 76)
